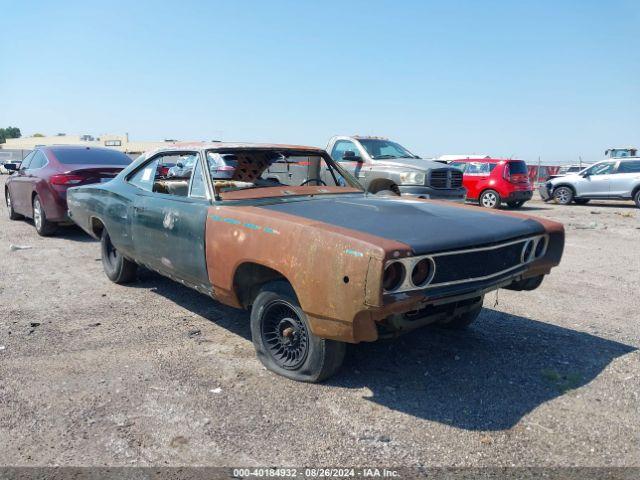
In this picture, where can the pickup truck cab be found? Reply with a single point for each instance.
(382, 167)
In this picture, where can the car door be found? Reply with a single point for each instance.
(168, 222)
(19, 188)
(595, 183)
(347, 153)
(624, 178)
(476, 176)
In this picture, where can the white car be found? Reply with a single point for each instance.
(612, 179)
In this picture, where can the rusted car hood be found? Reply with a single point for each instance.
(427, 227)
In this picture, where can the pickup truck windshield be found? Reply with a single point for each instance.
(259, 173)
(380, 149)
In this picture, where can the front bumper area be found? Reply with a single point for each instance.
(544, 191)
(453, 194)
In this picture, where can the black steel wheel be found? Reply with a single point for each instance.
(116, 267)
(284, 334)
(284, 341)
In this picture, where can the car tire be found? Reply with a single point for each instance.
(517, 204)
(462, 322)
(12, 213)
(636, 198)
(581, 201)
(283, 340)
(117, 268)
(563, 195)
(490, 199)
(43, 226)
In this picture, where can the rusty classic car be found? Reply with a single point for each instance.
(319, 264)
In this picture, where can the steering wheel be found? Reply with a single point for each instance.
(317, 180)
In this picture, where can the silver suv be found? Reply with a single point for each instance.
(611, 179)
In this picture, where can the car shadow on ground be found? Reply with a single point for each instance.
(485, 378)
(232, 319)
(73, 233)
(607, 204)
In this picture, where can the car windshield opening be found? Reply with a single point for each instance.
(260, 173)
(380, 149)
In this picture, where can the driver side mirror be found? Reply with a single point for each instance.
(350, 156)
(586, 174)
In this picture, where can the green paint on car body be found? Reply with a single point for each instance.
(250, 226)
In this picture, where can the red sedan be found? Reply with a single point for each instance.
(492, 181)
(39, 188)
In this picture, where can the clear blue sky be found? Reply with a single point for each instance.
(550, 78)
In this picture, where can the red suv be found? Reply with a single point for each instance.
(493, 181)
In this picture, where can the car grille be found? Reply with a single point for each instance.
(445, 178)
(460, 266)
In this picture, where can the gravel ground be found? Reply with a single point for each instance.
(92, 373)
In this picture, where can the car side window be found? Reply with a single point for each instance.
(27, 161)
(629, 167)
(459, 165)
(477, 168)
(145, 176)
(602, 168)
(342, 146)
(198, 187)
(38, 161)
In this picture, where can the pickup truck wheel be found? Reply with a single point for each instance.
(490, 199)
(461, 322)
(563, 195)
(43, 226)
(283, 340)
(636, 198)
(12, 213)
(116, 267)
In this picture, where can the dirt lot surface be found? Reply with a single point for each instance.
(92, 373)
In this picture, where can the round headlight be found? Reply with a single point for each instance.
(527, 250)
(541, 247)
(422, 272)
(393, 276)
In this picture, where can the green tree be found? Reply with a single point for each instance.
(9, 132)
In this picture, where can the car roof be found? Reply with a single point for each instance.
(55, 148)
(488, 160)
(179, 147)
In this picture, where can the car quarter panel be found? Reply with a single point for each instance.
(336, 273)
(110, 204)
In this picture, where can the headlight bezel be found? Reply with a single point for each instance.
(412, 178)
